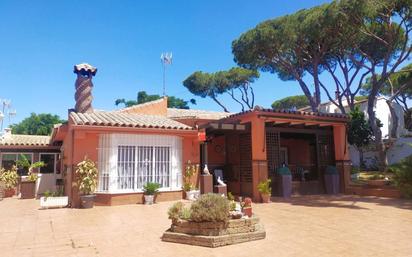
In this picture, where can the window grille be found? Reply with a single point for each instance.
(128, 162)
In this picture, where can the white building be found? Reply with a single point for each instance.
(400, 148)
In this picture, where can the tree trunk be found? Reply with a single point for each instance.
(395, 120)
(408, 119)
(219, 103)
(380, 148)
(361, 162)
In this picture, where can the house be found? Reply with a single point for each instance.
(401, 148)
(152, 143)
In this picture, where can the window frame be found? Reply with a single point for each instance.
(55, 162)
(17, 156)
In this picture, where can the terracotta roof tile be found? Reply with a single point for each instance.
(301, 113)
(24, 140)
(117, 119)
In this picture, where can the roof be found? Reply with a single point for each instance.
(24, 140)
(118, 119)
(138, 106)
(175, 113)
(344, 117)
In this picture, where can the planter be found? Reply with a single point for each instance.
(28, 189)
(9, 192)
(332, 184)
(87, 201)
(148, 199)
(192, 195)
(265, 198)
(377, 183)
(54, 202)
(285, 185)
(247, 211)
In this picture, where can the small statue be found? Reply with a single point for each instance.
(206, 170)
(220, 181)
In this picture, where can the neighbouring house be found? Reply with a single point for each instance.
(35, 148)
(400, 147)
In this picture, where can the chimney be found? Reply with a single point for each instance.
(84, 85)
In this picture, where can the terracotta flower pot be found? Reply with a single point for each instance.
(247, 211)
(265, 198)
(9, 192)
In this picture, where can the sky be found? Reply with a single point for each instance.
(42, 40)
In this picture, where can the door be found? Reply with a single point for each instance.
(49, 173)
(245, 147)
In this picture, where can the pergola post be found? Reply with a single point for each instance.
(259, 158)
(342, 158)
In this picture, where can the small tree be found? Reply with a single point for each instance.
(360, 133)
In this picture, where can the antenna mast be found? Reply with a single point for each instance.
(165, 59)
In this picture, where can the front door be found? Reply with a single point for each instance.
(245, 149)
(48, 173)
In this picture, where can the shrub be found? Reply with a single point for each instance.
(9, 177)
(210, 207)
(230, 196)
(151, 188)
(402, 176)
(179, 211)
(86, 176)
(175, 211)
(264, 187)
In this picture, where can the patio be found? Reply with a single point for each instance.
(304, 226)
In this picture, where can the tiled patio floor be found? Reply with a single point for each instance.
(304, 226)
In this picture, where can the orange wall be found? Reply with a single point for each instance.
(152, 108)
(298, 151)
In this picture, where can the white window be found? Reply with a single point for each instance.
(10, 159)
(128, 162)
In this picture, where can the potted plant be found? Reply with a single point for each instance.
(247, 207)
(54, 199)
(150, 190)
(86, 173)
(191, 191)
(28, 186)
(265, 190)
(9, 178)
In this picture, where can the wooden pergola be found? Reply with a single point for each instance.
(250, 146)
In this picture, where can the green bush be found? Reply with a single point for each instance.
(210, 207)
(402, 176)
(9, 177)
(86, 173)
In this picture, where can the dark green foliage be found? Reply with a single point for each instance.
(210, 207)
(211, 85)
(143, 97)
(37, 124)
(359, 131)
(290, 102)
(403, 176)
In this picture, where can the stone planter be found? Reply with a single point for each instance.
(215, 234)
(28, 189)
(332, 184)
(148, 199)
(54, 202)
(285, 185)
(87, 201)
(9, 192)
(192, 195)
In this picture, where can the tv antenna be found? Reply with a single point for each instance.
(165, 59)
